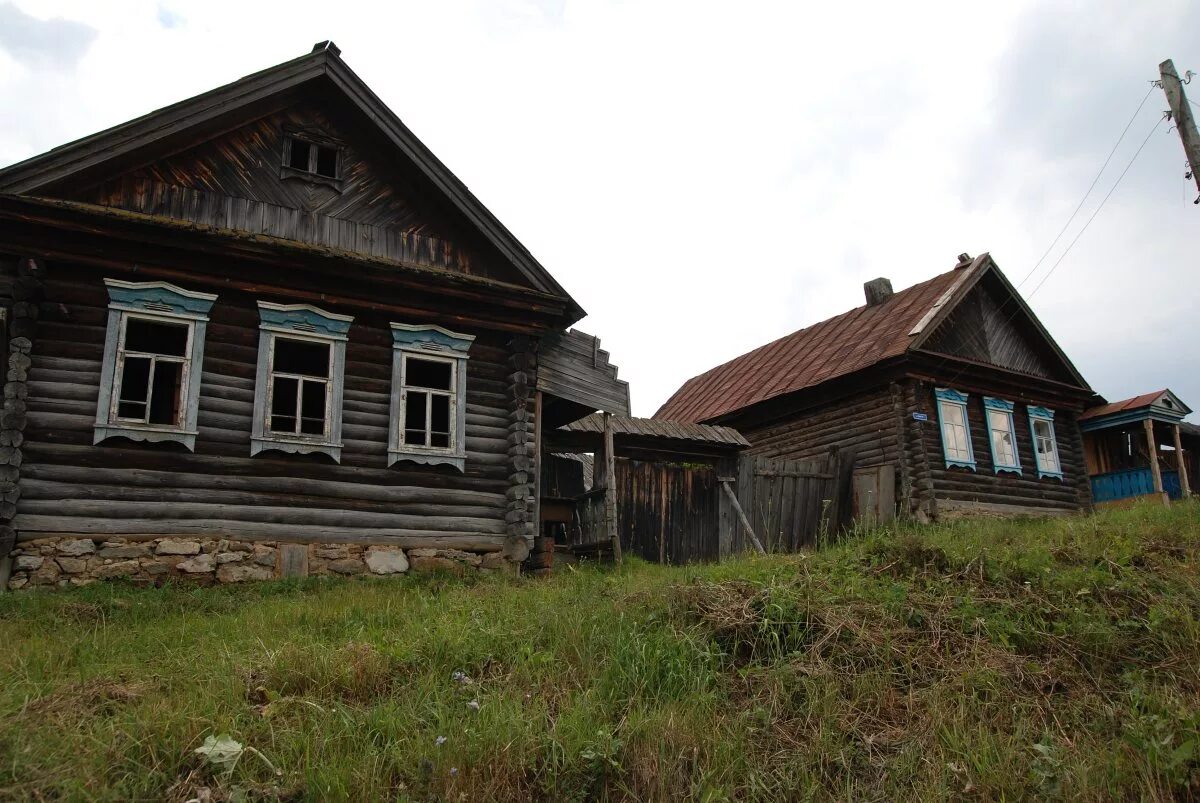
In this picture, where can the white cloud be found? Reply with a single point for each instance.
(706, 177)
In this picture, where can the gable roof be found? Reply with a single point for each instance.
(844, 344)
(1162, 404)
(137, 142)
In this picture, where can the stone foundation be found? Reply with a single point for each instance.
(51, 562)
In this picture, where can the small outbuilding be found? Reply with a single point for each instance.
(1140, 447)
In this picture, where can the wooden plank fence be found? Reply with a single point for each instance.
(792, 504)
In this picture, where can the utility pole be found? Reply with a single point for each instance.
(1181, 113)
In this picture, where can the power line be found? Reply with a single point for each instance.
(1095, 181)
(1098, 208)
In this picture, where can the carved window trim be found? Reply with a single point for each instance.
(947, 400)
(300, 322)
(155, 301)
(993, 408)
(429, 342)
(1045, 416)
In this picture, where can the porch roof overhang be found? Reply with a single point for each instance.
(648, 438)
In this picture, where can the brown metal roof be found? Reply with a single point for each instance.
(656, 428)
(1137, 402)
(835, 347)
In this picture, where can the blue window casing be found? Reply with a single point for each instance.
(956, 434)
(1001, 409)
(435, 344)
(1046, 417)
(304, 323)
(158, 302)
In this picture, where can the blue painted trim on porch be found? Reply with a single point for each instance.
(1132, 483)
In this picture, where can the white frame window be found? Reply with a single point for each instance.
(436, 345)
(305, 324)
(955, 427)
(1002, 435)
(162, 303)
(1045, 442)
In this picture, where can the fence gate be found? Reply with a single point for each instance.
(667, 512)
(790, 503)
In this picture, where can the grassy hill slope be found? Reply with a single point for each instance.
(980, 660)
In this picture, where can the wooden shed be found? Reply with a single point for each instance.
(951, 395)
(266, 331)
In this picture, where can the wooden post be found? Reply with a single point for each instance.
(1185, 123)
(1152, 447)
(1181, 464)
(610, 488)
(733, 500)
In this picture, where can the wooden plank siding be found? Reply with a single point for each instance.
(235, 182)
(144, 490)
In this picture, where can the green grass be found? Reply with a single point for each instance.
(982, 660)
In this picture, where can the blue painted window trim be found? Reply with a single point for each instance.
(951, 397)
(301, 322)
(1047, 415)
(162, 302)
(428, 341)
(1000, 405)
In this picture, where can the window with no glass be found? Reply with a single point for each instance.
(427, 400)
(300, 374)
(153, 359)
(311, 157)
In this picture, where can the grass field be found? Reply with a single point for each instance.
(983, 660)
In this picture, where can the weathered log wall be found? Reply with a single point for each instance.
(961, 488)
(152, 490)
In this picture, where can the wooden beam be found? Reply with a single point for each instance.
(1181, 464)
(610, 488)
(1152, 449)
(733, 500)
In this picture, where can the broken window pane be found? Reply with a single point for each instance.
(427, 374)
(414, 419)
(156, 337)
(327, 162)
(439, 421)
(166, 401)
(303, 357)
(283, 404)
(135, 388)
(299, 158)
(312, 408)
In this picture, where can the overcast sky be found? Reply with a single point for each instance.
(704, 178)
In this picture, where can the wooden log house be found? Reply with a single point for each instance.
(951, 396)
(270, 316)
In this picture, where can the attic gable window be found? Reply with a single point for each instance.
(298, 390)
(1045, 445)
(153, 351)
(311, 158)
(1002, 435)
(429, 388)
(956, 432)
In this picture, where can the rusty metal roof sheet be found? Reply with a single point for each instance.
(657, 428)
(832, 348)
(1137, 402)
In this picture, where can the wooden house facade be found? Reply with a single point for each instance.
(265, 331)
(950, 395)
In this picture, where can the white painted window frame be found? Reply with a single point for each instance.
(1046, 416)
(429, 342)
(1003, 408)
(948, 398)
(299, 322)
(165, 303)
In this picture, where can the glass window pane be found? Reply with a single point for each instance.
(135, 379)
(952, 414)
(304, 357)
(156, 337)
(427, 373)
(312, 411)
(166, 403)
